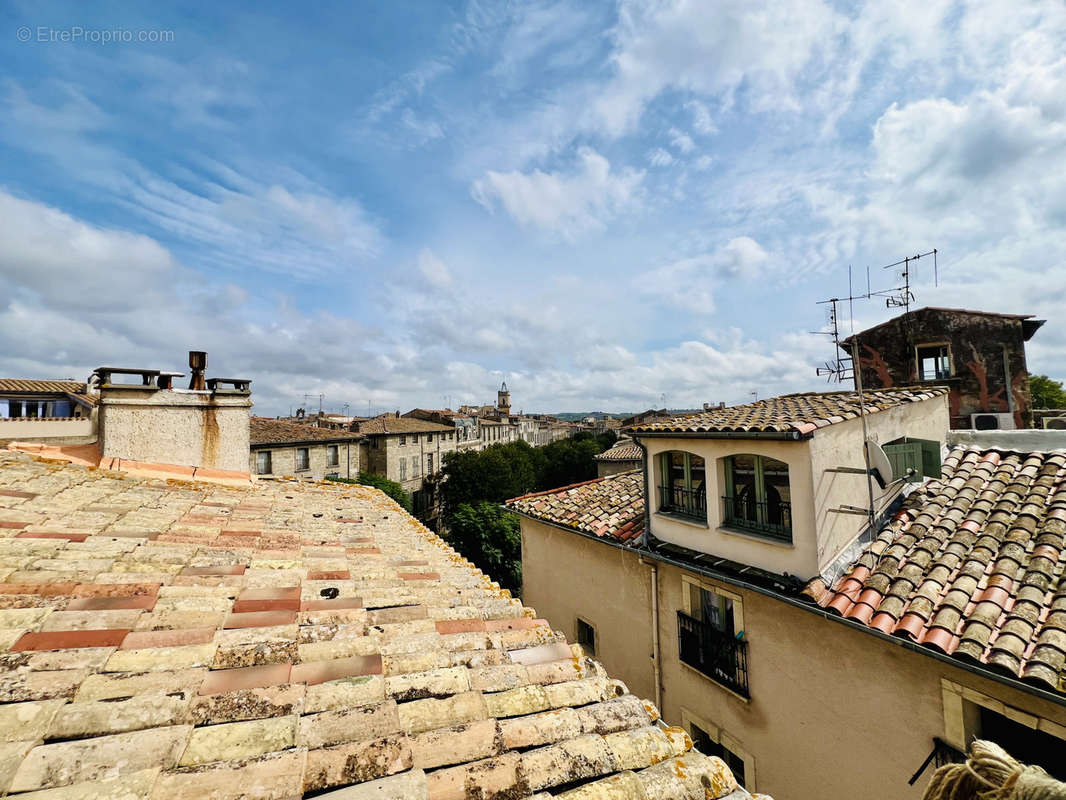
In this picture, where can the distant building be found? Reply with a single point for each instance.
(623, 457)
(978, 355)
(284, 449)
(465, 425)
(52, 410)
(411, 452)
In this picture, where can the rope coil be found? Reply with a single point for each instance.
(991, 774)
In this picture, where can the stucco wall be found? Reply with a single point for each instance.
(840, 445)
(565, 575)
(283, 460)
(191, 428)
(604, 468)
(385, 458)
(834, 711)
(818, 534)
(67, 431)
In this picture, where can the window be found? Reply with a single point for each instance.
(429, 463)
(263, 462)
(586, 637)
(403, 439)
(703, 742)
(682, 485)
(414, 466)
(332, 455)
(934, 362)
(711, 636)
(429, 437)
(1027, 745)
(758, 498)
(403, 469)
(303, 458)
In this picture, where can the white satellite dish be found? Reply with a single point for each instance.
(880, 465)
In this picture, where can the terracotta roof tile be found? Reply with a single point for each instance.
(610, 507)
(972, 566)
(623, 450)
(275, 431)
(390, 423)
(797, 413)
(33, 386)
(367, 665)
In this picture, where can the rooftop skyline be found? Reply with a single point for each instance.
(599, 203)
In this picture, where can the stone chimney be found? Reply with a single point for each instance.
(148, 420)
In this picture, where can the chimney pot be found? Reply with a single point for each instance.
(198, 365)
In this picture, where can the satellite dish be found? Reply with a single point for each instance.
(880, 465)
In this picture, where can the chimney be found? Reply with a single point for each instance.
(149, 421)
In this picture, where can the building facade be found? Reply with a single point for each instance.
(47, 410)
(978, 355)
(287, 449)
(625, 456)
(751, 598)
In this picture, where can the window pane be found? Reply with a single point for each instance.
(302, 460)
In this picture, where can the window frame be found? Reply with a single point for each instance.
(333, 455)
(303, 455)
(581, 621)
(918, 361)
(665, 484)
(778, 533)
(269, 461)
(722, 738)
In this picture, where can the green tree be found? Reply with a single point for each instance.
(491, 538)
(1046, 392)
(391, 488)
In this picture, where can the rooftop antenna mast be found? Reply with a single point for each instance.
(841, 367)
(902, 296)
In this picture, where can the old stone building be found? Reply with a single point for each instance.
(47, 410)
(411, 452)
(978, 355)
(467, 436)
(749, 595)
(280, 448)
(625, 456)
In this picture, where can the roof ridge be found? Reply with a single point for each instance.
(560, 488)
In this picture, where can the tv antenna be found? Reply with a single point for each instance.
(841, 367)
(902, 296)
(309, 396)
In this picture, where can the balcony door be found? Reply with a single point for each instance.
(683, 485)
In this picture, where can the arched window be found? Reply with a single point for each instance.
(683, 484)
(758, 498)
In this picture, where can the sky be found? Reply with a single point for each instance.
(609, 205)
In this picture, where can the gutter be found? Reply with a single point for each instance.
(811, 608)
(786, 435)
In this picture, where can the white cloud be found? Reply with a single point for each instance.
(690, 283)
(702, 121)
(682, 141)
(660, 158)
(433, 269)
(565, 203)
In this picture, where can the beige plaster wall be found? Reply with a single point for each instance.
(283, 460)
(69, 431)
(840, 445)
(798, 558)
(565, 575)
(818, 534)
(604, 468)
(190, 428)
(834, 711)
(385, 458)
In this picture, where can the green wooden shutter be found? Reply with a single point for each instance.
(904, 456)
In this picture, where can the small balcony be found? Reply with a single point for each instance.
(772, 520)
(722, 658)
(689, 503)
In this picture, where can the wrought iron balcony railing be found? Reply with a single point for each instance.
(720, 657)
(686, 502)
(773, 520)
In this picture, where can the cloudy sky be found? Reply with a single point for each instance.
(396, 203)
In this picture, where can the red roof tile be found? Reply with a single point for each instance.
(611, 507)
(973, 566)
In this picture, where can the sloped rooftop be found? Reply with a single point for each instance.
(790, 413)
(972, 566)
(168, 639)
(275, 431)
(610, 507)
(623, 451)
(392, 424)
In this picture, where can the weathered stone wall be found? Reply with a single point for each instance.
(978, 345)
(605, 468)
(283, 460)
(179, 426)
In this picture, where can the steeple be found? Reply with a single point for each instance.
(503, 400)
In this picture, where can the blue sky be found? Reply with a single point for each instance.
(393, 204)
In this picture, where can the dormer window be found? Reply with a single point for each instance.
(758, 498)
(683, 485)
